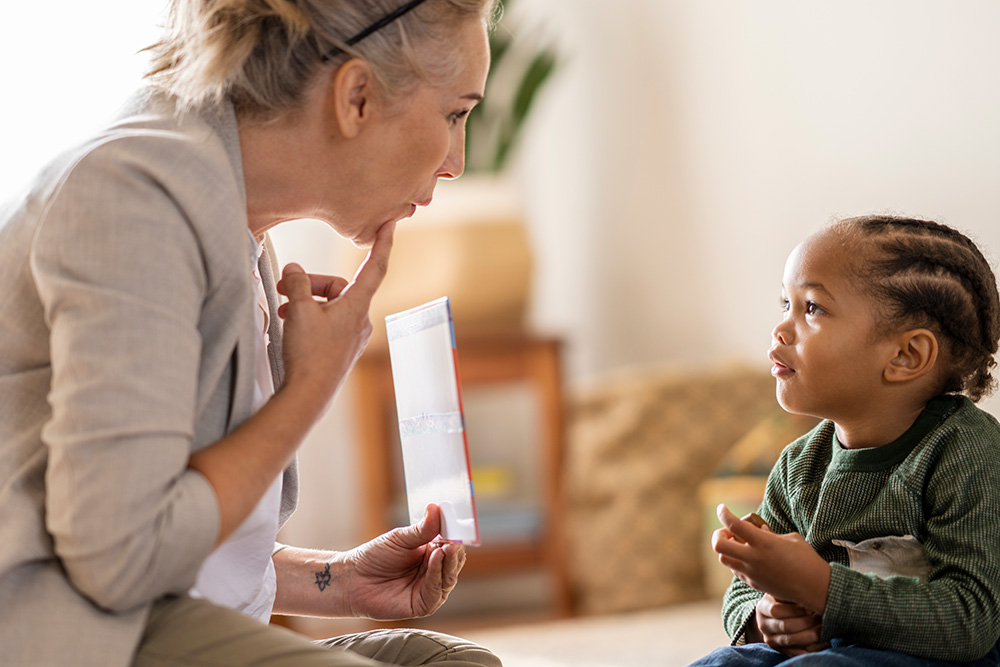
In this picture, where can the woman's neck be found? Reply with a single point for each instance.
(271, 172)
(287, 163)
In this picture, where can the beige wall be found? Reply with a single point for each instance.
(688, 146)
(685, 147)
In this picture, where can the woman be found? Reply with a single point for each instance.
(150, 402)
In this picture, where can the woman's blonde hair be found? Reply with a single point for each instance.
(263, 54)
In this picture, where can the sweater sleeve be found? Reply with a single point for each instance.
(737, 609)
(955, 614)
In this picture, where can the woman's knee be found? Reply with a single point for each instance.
(415, 647)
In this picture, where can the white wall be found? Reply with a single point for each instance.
(688, 146)
(683, 150)
(685, 147)
(65, 68)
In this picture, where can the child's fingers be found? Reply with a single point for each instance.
(727, 518)
(745, 529)
(756, 520)
(778, 609)
(730, 551)
(739, 529)
(719, 537)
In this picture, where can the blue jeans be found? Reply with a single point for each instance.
(840, 654)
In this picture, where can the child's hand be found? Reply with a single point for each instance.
(788, 628)
(783, 565)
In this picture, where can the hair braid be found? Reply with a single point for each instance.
(928, 274)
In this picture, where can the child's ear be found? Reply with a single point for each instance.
(350, 92)
(916, 354)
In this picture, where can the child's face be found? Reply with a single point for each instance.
(825, 359)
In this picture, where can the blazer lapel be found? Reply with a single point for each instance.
(244, 365)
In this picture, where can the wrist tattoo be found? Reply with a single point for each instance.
(323, 578)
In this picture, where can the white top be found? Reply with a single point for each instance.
(239, 574)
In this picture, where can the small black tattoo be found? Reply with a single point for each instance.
(323, 578)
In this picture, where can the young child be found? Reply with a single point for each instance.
(882, 543)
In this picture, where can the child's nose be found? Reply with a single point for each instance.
(782, 334)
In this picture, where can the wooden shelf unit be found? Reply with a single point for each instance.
(482, 360)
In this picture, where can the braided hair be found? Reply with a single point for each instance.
(925, 274)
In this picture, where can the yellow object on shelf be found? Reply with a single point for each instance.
(492, 482)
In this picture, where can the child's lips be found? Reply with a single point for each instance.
(779, 368)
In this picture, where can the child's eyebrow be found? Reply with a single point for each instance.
(819, 287)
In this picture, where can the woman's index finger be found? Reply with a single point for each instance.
(372, 271)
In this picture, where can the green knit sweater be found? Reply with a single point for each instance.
(939, 483)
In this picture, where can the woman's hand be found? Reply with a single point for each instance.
(322, 341)
(403, 573)
(788, 628)
(326, 318)
(784, 566)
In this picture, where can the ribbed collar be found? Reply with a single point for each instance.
(879, 458)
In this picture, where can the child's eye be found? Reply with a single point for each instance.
(812, 308)
(784, 304)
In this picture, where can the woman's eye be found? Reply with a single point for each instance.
(458, 116)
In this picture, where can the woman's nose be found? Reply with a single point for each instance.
(454, 163)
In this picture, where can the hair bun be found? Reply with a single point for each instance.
(263, 54)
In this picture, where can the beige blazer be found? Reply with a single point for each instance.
(126, 342)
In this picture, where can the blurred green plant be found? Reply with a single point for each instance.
(521, 65)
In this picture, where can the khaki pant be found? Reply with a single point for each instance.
(186, 631)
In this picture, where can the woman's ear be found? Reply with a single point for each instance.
(350, 93)
(916, 355)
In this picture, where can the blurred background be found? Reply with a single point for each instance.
(674, 155)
